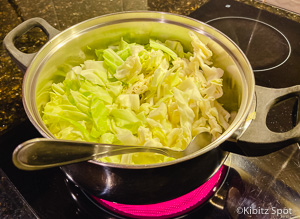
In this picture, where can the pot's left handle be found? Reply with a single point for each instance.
(257, 138)
(24, 59)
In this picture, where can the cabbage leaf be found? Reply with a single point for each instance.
(153, 95)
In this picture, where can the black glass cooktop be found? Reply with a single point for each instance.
(259, 187)
(270, 42)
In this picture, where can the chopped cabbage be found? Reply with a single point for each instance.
(155, 94)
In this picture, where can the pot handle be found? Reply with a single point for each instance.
(24, 59)
(258, 136)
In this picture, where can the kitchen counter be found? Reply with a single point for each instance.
(61, 15)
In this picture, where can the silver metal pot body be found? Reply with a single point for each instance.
(139, 184)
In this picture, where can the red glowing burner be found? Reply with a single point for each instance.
(171, 208)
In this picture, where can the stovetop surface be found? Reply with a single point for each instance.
(258, 187)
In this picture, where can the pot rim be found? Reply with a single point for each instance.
(158, 17)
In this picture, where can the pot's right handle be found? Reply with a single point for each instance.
(24, 59)
(258, 136)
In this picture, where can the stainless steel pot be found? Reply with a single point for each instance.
(142, 184)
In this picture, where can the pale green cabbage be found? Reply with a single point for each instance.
(155, 94)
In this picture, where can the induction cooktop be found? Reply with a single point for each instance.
(254, 187)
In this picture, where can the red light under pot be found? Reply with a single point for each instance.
(171, 208)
